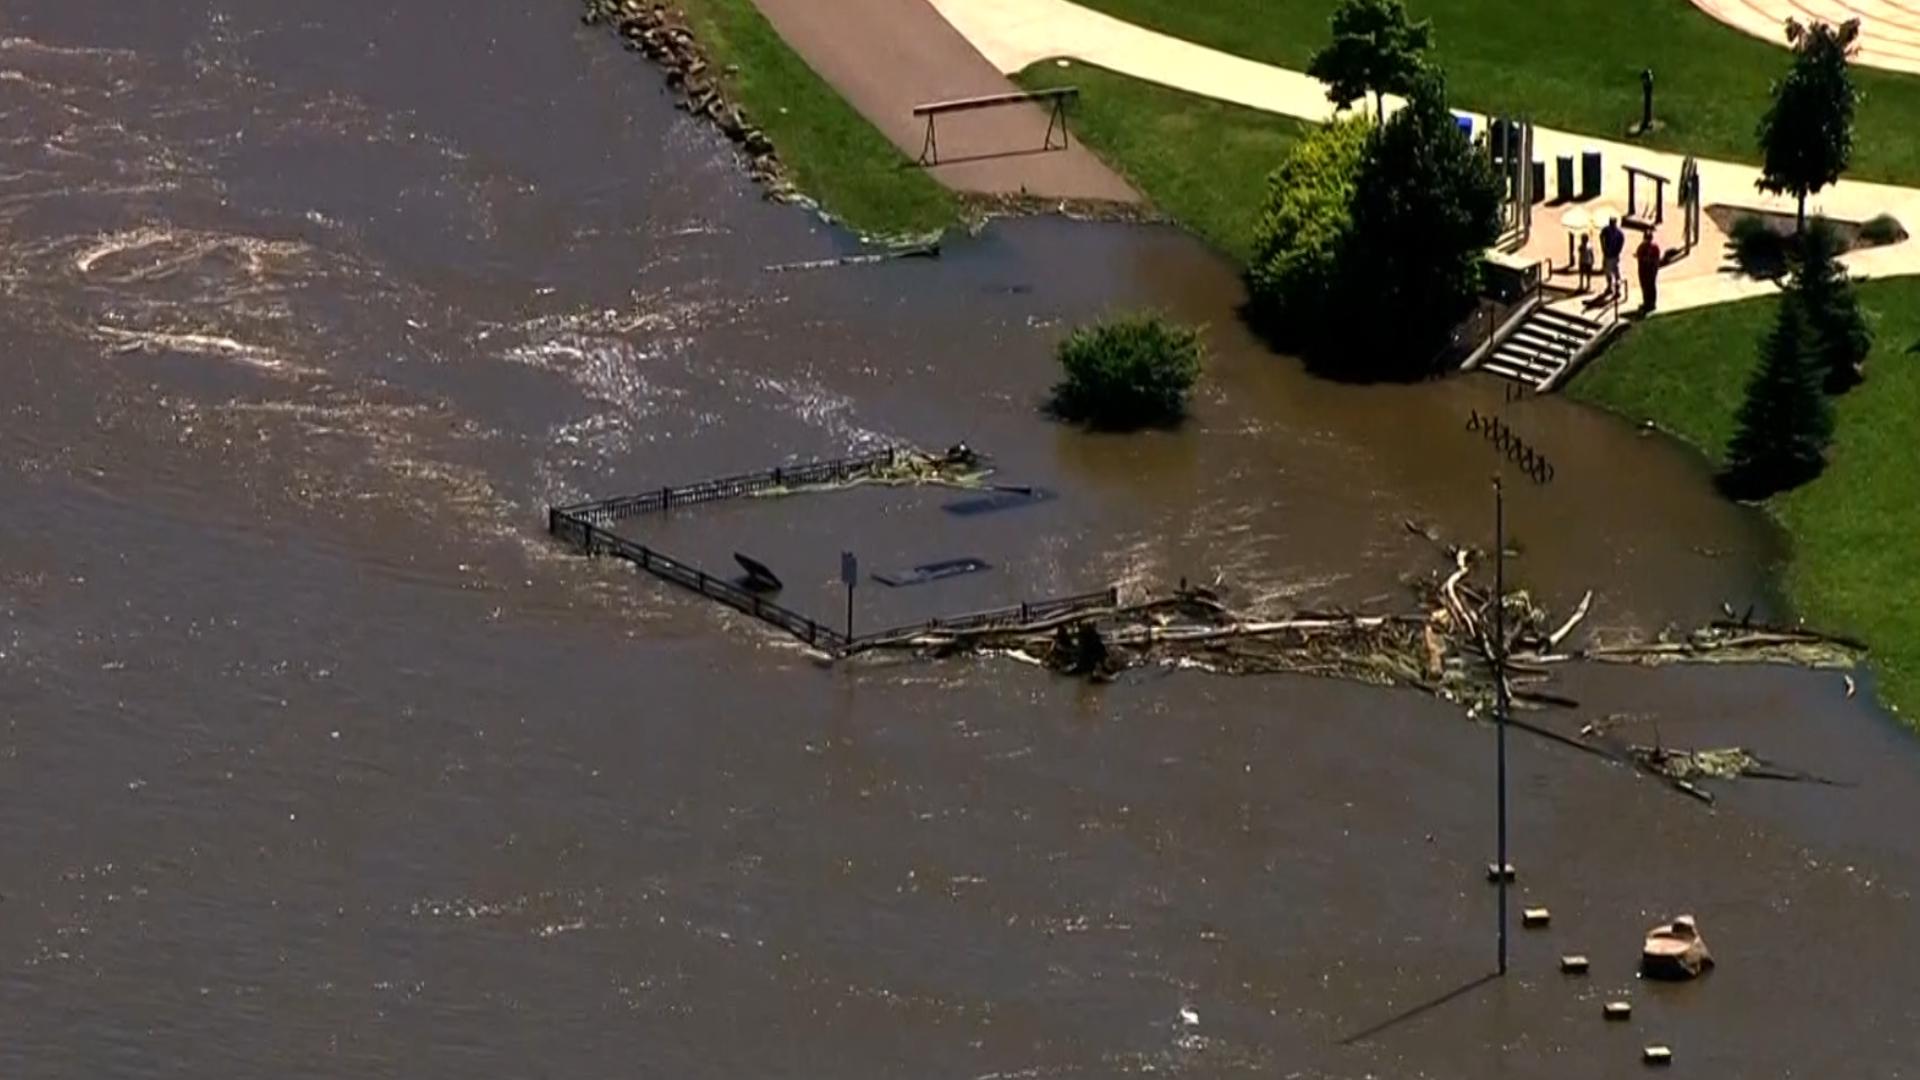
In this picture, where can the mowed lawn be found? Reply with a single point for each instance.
(1203, 162)
(1856, 530)
(1575, 64)
(830, 151)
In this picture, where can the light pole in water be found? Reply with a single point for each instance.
(1536, 466)
(1500, 694)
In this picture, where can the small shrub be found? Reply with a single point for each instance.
(1760, 251)
(1882, 229)
(1128, 372)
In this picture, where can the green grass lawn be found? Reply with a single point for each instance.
(831, 152)
(1203, 162)
(1575, 64)
(1855, 530)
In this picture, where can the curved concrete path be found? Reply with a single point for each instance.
(1014, 34)
(886, 56)
(1889, 29)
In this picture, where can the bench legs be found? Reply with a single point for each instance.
(1057, 120)
(930, 149)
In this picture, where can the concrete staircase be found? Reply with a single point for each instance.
(1540, 350)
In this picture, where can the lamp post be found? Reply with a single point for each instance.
(1534, 465)
(1500, 697)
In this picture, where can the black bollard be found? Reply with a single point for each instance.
(1646, 100)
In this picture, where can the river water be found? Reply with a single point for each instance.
(318, 759)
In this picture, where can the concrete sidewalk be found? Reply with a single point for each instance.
(1014, 34)
(1889, 29)
(886, 56)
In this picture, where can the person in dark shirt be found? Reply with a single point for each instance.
(1613, 241)
(1647, 258)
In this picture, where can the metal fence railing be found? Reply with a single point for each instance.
(608, 511)
(583, 525)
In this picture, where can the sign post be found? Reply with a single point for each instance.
(850, 575)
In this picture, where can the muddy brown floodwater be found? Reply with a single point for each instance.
(318, 759)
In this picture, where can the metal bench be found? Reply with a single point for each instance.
(1057, 98)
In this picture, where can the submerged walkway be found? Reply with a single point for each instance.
(887, 56)
(1015, 34)
(1889, 29)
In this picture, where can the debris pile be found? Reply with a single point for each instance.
(1445, 644)
(958, 466)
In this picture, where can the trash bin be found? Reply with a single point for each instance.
(1539, 180)
(1563, 176)
(1590, 173)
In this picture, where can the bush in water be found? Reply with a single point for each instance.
(1128, 372)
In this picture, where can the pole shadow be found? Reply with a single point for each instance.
(1420, 1010)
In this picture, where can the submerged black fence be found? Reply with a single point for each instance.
(1016, 615)
(583, 526)
(594, 540)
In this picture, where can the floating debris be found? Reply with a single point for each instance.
(928, 250)
(1574, 964)
(1535, 917)
(1657, 1055)
(958, 466)
(1003, 498)
(933, 571)
(1617, 1010)
(1675, 951)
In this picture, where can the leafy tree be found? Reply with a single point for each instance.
(1425, 208)
(1375, 50)
(1785, 422)
(1806, 136)
(1129, 372)
(1841, 338)
(1297, 242)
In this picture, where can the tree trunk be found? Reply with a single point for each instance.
(1380, 106)
(1800, 217)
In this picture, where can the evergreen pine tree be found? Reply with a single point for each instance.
(1785, 422)
(1841, 339)
(1806, 136)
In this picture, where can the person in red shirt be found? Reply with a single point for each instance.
(1647, 258)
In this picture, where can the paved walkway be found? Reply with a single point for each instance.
(886, 56)
(1014, 34)
(1889, 29)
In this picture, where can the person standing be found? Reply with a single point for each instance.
(1647, 258)
(1586, 261)
(1613, 242)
